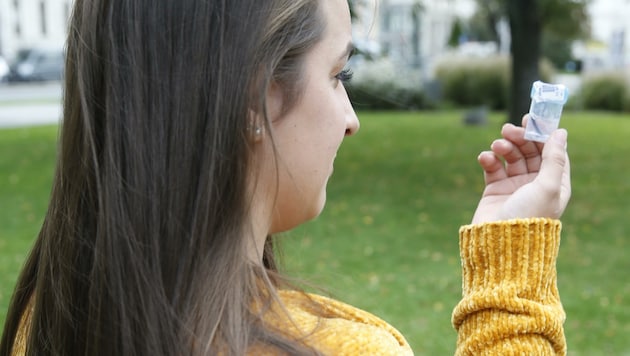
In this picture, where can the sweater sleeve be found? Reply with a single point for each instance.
(510, 303)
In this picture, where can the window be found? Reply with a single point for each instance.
(42, 12)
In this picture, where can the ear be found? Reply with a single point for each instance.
(255, 126)
(274, 101)
(273, 106)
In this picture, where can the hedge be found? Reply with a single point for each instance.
(471, 82)
(605, 91)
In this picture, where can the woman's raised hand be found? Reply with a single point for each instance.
(524, 179)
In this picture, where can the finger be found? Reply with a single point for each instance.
(530, 150)
(554, 163)
(565, 193)
(515, 162)
(516, 134)
(493, 168)
(525, 122)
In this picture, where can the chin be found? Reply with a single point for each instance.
(315, 212)
(295, 218)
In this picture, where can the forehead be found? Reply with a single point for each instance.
(337, 18)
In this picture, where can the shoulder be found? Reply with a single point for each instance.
(334, 327)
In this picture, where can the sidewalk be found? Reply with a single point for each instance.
(20, 115)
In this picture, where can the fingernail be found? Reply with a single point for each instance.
(560, 137)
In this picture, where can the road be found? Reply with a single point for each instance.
(30, 104)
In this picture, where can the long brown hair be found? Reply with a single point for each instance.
(143, 247)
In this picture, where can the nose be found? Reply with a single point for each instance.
(352, 121)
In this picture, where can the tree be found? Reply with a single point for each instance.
(529, 20)
(525, 28)
(456, 33)
(486, 19)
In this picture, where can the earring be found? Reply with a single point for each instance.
(258, 131)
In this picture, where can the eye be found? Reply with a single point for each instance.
(344, 76)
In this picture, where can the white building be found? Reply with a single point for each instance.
(414, 35)
(28, 23)
(409, 31)
(611, 34)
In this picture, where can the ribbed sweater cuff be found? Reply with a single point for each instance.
(520, 252)
(510, 298)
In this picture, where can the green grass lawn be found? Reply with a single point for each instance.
(387, 240)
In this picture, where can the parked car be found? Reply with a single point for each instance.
(37, 64)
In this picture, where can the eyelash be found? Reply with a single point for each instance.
(345, 75)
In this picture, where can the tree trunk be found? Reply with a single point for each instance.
(493, 22)
(525, 28)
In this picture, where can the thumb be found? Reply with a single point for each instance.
(554, 159)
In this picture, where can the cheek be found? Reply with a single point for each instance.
(307, 148)
(302, 180)
(331, 113)
(301, 196)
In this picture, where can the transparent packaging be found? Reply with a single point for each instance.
(545, 110)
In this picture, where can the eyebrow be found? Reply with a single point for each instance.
(349, 51)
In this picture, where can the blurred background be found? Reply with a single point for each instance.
(433, 82)
(415, 54)
(486, 53)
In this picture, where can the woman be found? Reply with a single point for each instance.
(193, 131)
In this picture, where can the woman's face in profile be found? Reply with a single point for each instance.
(308, 136)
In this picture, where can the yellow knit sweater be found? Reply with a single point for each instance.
(510, 303)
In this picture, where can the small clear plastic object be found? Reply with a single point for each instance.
(545, 110)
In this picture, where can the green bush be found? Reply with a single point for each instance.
(382, 85)
(474, 81)
(385, 96)
(480, 81)
(606, 91)
(463, 82)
